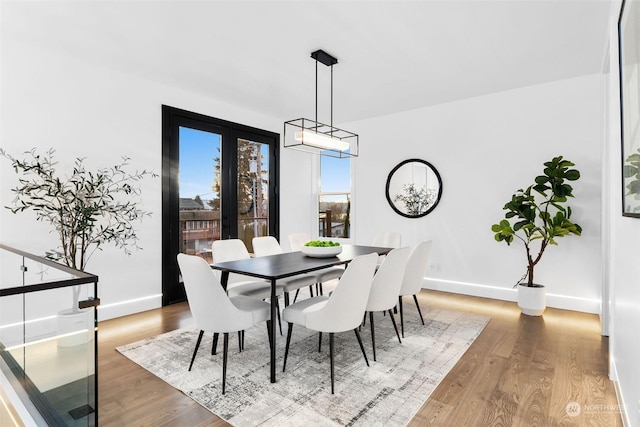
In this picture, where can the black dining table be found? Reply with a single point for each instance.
(280, 266)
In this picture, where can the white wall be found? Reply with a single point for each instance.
(485, 148)
(622, 260)
(82, 110)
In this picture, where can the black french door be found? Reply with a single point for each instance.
(219, 181)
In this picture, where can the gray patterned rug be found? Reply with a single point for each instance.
(388, 393)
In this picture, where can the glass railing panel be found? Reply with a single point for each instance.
(37, 273)
(48, 343)
(10, 270)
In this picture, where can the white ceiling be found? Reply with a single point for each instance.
(393, 55)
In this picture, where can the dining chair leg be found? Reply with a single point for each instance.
(286, 299)
(373, 336)
(225, 350)
(311, 290)
(415, 298)
(214, 346)
(321, 290)
(361, 345)
(401, 315)
(196, 350)
(364, 319)
(319, 342)
(240, 341)
(331, 358)
(286, 349)
(393, 319)
(296, 295)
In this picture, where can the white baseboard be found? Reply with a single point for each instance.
(510, 294)
(624, 414)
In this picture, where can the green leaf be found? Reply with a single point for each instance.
(518, 225)
(541, 179)
(634, 187)
(633, 158)
(542, 189)
(572, 175)
(629, 171)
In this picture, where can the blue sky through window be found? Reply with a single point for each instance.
(335, 174)
(198, 149)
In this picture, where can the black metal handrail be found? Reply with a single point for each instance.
(81, 279)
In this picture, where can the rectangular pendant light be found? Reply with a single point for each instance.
(319, 138)
(314, 137)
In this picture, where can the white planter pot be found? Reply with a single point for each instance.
(532, 300)
(73, 324)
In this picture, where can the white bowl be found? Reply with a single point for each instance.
(321, 251)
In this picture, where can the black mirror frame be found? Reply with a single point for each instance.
(630, 169)
(398, 166)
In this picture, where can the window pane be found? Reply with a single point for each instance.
(334, 218)
(335, 174)
(334, 200)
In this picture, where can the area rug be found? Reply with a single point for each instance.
(388, 393)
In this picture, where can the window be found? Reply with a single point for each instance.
(334, 198)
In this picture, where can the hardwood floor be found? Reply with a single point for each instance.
(521, 371)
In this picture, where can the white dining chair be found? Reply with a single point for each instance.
(268, 245)
(238, 284)
(340, 312)
(296, 242)
(386, 288)
(213, 311)
(414, 277)
(386, 239)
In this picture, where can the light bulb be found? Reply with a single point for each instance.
(321, 140)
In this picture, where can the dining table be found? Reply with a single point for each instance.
(280, 266)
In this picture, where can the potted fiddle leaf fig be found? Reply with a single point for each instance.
(538, 216)
(88, 209)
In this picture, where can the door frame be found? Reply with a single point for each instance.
(172, 119)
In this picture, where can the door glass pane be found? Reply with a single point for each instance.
(253, 191)
(199, 191)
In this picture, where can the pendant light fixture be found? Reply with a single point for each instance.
(319, 138)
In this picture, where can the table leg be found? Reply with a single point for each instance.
(224, 280)
(274, 318)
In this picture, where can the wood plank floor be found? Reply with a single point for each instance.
(521, 371)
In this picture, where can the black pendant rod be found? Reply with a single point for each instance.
(328, 60)
(331, 123)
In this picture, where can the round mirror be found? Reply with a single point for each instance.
(414, 188)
